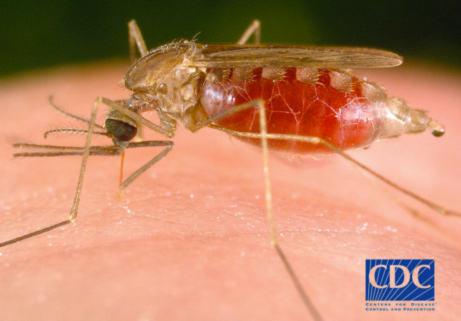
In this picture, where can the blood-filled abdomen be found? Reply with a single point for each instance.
(324, 103)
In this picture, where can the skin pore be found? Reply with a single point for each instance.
(189, 239)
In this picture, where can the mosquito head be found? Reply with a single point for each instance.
(121, 127)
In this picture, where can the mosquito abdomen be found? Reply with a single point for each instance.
(330, 104)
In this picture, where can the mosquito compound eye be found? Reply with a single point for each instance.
(121, 130)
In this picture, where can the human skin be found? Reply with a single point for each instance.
(188, 240)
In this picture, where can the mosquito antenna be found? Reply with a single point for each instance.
(69, 114)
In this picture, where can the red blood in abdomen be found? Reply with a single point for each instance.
(344, 119)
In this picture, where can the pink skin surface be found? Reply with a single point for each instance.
(189, 239)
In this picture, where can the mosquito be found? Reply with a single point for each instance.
(290, 99)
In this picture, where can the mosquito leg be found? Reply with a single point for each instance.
(396, 198)
(46, 147)
(270, 216)
(263, 135)
(56, 150)
(319, 141)
(254, 28)
(136, 117)
(99, 151)
(166, 143)
(86, 153)
(230, 111)
(67, 150)
(136, 41)
(28, 236)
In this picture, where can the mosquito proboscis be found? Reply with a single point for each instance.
(293, 99)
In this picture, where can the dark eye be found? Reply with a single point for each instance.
(121, 130)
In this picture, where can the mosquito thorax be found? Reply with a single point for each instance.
(163, 81)
(120, 126)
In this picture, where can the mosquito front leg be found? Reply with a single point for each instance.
(254, 28)
(86, 153)
(54, 150)
(62, 150)
(136, 41)
(132, 177)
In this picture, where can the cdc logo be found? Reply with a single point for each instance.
(400, 280)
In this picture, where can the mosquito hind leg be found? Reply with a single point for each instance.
(264, 136)
(253, 28)
(318, 141)
(136, 40)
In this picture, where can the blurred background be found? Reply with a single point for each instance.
(40, 34)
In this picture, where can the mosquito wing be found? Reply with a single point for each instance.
(241, 56)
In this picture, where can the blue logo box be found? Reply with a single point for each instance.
(400, 280)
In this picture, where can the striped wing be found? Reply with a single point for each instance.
(241, 56)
